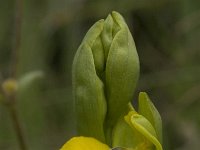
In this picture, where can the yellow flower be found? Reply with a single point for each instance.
(84, 143)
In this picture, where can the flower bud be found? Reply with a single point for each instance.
(105, 73)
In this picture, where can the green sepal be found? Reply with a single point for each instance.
(122, 66)
(88, 88)
(145, 128)
(149, 111)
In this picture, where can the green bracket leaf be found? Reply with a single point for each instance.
(145, 128)
(149, 111)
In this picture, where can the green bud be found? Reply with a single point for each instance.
(105, 73)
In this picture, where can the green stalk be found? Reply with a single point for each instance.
(17, 126)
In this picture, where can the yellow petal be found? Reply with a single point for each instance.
(84, 143)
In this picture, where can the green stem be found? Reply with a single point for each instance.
(16, 36)
(17, 126)
(15, 58)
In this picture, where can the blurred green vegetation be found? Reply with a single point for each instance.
(166, 33)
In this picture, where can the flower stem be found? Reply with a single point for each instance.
(14, 65)
(16, 36)
(17, 126)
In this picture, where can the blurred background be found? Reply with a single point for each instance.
(166, 34)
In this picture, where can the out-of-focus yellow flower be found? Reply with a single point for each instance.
(84, 143)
